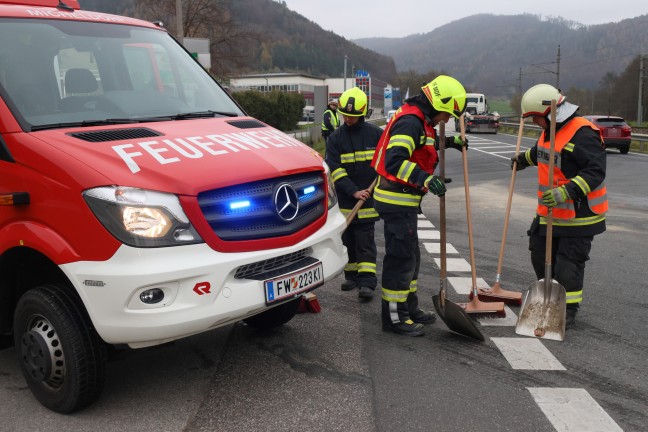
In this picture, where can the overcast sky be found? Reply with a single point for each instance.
(399, 18)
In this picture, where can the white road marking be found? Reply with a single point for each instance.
(527, 354)
(495, 147)
(435, 248)
(425, 224)
(463, 285)
(428, 235)
(573, 410)
(454, 264)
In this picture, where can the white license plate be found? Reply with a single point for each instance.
(288, 285)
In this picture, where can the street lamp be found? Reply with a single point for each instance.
(179, 25)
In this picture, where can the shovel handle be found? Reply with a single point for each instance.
(549, 218)
(356, 208)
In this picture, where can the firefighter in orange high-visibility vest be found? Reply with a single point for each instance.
(405, 160)
(578, 196)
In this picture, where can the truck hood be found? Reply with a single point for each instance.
(184, 157)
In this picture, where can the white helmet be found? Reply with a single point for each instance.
(532, 101)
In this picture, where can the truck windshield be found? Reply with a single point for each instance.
(61, 72)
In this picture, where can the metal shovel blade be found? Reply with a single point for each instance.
(456, 318)
(543, 316)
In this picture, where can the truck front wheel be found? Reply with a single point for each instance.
(61, 356)
(274, 317)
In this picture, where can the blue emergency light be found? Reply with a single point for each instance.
(309, 190)
(239, 205)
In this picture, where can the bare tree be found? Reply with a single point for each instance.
(210, 19)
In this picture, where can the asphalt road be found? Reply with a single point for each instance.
(338, 371)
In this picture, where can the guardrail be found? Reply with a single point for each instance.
(641, 138)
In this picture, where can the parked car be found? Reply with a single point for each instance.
(390, 114)
(616, 132)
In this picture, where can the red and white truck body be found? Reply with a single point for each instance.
(138, 203)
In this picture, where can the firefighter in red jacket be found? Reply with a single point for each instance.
(578, 197)
(405, 161)
(349, 151)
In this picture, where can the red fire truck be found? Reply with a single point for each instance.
(138, 202)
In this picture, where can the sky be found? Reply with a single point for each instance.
(399, 18)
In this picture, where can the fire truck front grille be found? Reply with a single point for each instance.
(265, 209)
(266, 269)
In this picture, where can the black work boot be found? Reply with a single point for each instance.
(365, 293)
(348, 285)
(407, 328)
(423, 317)
(570, 317)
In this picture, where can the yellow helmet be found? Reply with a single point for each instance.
(353, 103)
(446, 94)
(532, 101)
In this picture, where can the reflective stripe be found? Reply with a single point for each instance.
(576, 221)
(402, 141)
(347, 158)
(338, 174)
(527, 156)
(367, 267)
(569, 147)
(351, 267)
(394, 296)
(395, 198)
(393, 312)
(574, 296)
(414, 286)
(405, 170)
(582, 184)
(428, 140)
(359, 156)
(365, 213)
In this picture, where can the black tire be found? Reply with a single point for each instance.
(274, 317)
(624, 150)
(61, 356)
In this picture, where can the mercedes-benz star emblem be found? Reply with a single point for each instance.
(286, 202)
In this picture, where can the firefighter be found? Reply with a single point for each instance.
(577, 196)
(330, 121)
(349, 151)
(405, 161)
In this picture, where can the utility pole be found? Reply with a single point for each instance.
(639, 102)
(345, 65)
(558, 70)
(179, 24)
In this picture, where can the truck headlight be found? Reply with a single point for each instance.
(332, 196)
(141, 218)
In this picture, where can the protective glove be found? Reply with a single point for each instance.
(456, 143)
(435, 185)
(521, 162)
(553, 197)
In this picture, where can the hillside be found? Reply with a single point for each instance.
(265, 36)
(486, 52)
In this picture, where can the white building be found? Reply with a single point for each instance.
(305, 84)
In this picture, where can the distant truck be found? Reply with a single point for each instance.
(476, 104)
(477, 117)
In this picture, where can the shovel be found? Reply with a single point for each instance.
(474, 306)
(356, 208)
(452, 315)
(496, 292)
(544, 304)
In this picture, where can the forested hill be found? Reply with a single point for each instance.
(261, 36)
(486, 52)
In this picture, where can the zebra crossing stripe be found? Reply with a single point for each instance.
(435, 248)
(573, 410)
(527, 354)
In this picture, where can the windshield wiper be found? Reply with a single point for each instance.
(202, 114)
(85, 123)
